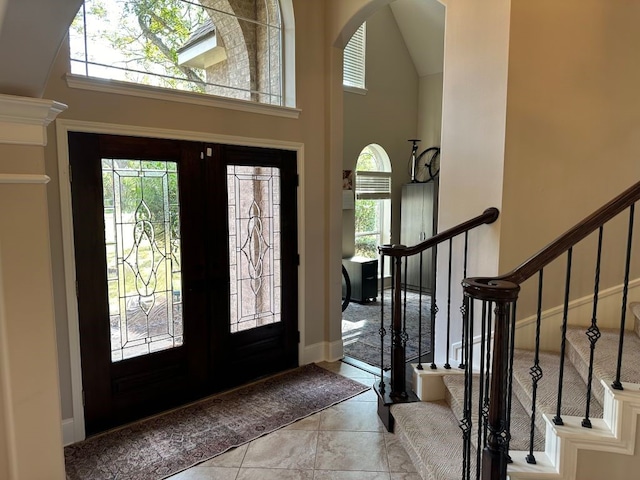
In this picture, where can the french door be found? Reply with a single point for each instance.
(186, 267)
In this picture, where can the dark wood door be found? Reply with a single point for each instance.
(261, 335)
(170, 308)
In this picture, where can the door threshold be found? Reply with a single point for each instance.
(354, 362)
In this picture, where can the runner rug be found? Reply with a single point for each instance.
(163, 445)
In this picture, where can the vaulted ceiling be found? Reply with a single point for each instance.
(421, 23)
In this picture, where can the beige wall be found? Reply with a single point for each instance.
(573, 132)
(28, 369)
(570, 144)
(386, 115)
(430, 110)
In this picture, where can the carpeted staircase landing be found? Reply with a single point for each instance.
(430, 433)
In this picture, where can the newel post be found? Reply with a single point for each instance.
(502, 295)
(398, 336)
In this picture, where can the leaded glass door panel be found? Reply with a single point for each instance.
(260, 206)
(186, 262)
(142, 309)
(143, 254)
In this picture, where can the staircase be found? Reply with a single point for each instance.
(430, 432)
(566, 409)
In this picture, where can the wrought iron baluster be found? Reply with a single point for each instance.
(487, 384)
(616, 383)
(535, 371)
(593, 332)
(463, 307)
(563, 345)
(466, 424)
(512, 346)
(383, 331)
(419, 367)
(434, 310)
(404, 336)
(447, 365)
(481, 387)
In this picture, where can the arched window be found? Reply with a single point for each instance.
(229, 48)
(373, 201)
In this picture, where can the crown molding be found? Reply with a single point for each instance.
(24, 120)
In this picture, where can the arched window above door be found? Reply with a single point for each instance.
(240, 49)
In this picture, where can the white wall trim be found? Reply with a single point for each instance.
(147, 91)
(313, 353)
(23, 121)
(63, 127)
(323, 352)
(615, 433)
(23, 178)
(609, 304)
(334, 351)
(68, 431)
(579, 302)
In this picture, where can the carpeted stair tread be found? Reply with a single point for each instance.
(605, 358)
(430, 434)
(520, 419)
(635, 309)
(574, 389)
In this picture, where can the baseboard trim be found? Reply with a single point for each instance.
(579, 313)
(68, 431)
(323, 352)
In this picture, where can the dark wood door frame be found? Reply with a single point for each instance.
(199, 283)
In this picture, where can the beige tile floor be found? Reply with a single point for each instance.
(344, 442)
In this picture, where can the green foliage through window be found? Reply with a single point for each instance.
(140, 41)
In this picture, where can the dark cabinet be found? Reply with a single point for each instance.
(417, 223)
(363, 273)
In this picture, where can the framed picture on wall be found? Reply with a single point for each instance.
(348, 198)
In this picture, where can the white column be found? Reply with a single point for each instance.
(30, 419)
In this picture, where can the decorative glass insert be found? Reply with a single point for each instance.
(254, 246)
(142, 239)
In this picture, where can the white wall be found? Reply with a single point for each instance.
(473, 133)
(386, 115)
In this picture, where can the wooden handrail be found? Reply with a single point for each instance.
(561, 244)
(503, 290)
(398, 252)
(490, 215)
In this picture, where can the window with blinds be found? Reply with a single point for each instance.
(373, 185)
(354, 59)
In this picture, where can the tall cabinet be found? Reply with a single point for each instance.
(417, 223)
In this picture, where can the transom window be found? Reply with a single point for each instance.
(230, 48)
(373, 201)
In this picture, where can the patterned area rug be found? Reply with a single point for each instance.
(361, 329)
(161, 446)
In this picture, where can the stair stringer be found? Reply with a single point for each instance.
(615, 433)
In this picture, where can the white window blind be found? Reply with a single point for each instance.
(354, 59)
(373, 185)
